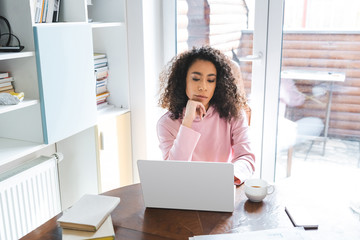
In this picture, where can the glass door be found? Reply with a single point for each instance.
(302, 83)
(239, 30)
(318, 136)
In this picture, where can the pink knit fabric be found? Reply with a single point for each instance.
(212, 139)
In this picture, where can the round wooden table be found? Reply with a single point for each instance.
(133, 221)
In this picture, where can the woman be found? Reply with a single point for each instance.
(205, 119)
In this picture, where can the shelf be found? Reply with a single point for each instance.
(11, 149)
(13, 55)
(106, 24)
(23, 104)
(111, 111)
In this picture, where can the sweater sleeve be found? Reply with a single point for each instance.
(243, 158)
(176, 144)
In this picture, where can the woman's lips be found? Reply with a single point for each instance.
(200, 96)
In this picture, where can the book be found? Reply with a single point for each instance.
(102, 105)
(33, 6)
(42, 11)
(101, 101)
(11, 90)
(7, 88)
(100, 65)
(101, 84)
(88, 213)
(101, 89)
(7, 79)
(99, 55)
(50, 11)
(102, 97)
(105, 232)
(101, 72)
(100, 61)
(4, 74)
(101, 81)
(4, 84)
(45, 10)
(56, 11)
(38, 11)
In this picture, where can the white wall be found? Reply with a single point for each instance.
(154, 61)
(146, 58)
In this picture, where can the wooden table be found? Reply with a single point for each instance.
(133, 221)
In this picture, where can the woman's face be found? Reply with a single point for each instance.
(201, 82)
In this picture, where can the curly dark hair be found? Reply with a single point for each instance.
(227, 98)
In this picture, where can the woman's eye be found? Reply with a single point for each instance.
(196, 79)
(211, 80)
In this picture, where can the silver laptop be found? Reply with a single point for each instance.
(207, 186)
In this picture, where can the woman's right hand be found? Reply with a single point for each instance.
(193, 109)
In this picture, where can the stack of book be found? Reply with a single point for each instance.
(6, 83)
(46, 11)
(101, 75)
(89, 218)
(100, 60)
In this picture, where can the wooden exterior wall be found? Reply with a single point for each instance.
(182, 25)
(222, 24)
(338, 52)
(217, 23)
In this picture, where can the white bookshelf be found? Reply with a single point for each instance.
(107, 24)
(38, 119)
(25, 103)
(54, 96)
(14, 55)
(20, 124)
(56, 73)
(114, 158)
(110, 37)
(111, 111)
(11, 149)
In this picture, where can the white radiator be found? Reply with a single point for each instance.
(29, 196)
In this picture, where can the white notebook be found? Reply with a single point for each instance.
(89, 212)
(106, 231)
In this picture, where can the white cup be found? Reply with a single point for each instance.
(257, 189)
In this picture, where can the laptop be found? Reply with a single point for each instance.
(207, 186)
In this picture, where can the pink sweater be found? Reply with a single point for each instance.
(212, 139)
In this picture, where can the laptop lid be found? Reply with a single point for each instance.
(207, 186)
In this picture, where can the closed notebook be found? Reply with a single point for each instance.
(88, 213)
(105, 232)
